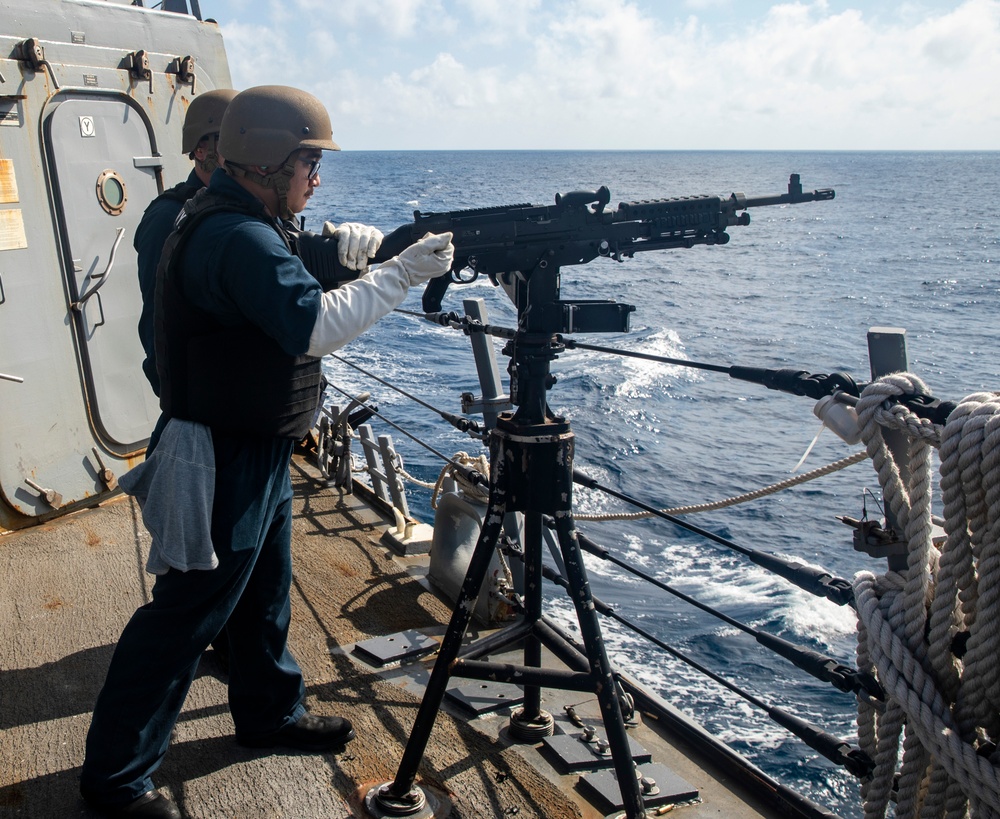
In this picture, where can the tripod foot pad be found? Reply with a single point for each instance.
(381, 803)
(530, 731)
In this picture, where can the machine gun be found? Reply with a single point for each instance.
(522, 247)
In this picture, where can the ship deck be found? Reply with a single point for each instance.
(68, 587)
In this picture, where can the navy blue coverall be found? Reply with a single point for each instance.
(237, 268)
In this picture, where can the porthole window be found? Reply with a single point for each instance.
(111, 192)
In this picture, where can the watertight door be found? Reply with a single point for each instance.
(101, 154)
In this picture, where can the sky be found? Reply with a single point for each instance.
(641, 75)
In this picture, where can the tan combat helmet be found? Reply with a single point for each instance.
(204, 119)
(264, 126)
(204, 116)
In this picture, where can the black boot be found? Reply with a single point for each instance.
(310, 733)
(151, 805)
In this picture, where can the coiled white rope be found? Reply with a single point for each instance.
(943, 709)
(480, 463)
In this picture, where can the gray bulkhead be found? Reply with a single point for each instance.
(92, 100)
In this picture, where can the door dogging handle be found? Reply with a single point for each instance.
(106, 476)
(78, 304)
(50, 496)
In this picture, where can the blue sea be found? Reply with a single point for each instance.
(911, 241)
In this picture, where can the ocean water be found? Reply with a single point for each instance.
(910, 241)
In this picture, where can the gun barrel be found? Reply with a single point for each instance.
(694, 210)
(794, 196)
(786, 198)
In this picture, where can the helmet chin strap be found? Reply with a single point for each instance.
(209, 163)
(279, 181)
(211, 160)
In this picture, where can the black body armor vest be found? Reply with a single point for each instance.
(237, 379)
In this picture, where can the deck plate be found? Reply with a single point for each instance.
(571, 753)
(484, 697)
(395, 648)
(601, 788)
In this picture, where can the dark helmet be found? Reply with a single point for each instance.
(204, 116)
(264, 125)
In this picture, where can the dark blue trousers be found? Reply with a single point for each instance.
(158, 652)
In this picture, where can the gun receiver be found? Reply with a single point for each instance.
(524, 246)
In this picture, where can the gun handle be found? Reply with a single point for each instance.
(434, 293)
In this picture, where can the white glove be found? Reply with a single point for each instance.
(349, 310)
(430, 257)
(356, 243)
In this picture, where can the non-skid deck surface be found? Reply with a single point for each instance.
(68, 588)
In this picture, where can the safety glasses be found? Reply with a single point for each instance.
(313, 165)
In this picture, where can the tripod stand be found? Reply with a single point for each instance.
(531, 456)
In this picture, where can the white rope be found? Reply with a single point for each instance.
(939, 708)
(819, 472)
(480, 463)
(407, 476)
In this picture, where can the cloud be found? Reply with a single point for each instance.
(897, 85)
(701, 5)
(397, 19)
(498, 22)
(618, 74)
(244, 42)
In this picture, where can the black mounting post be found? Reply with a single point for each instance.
(531, 454)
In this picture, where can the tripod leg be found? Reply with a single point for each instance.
(401, 788)
(533, 611)
(600, 667)
(530, 723)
